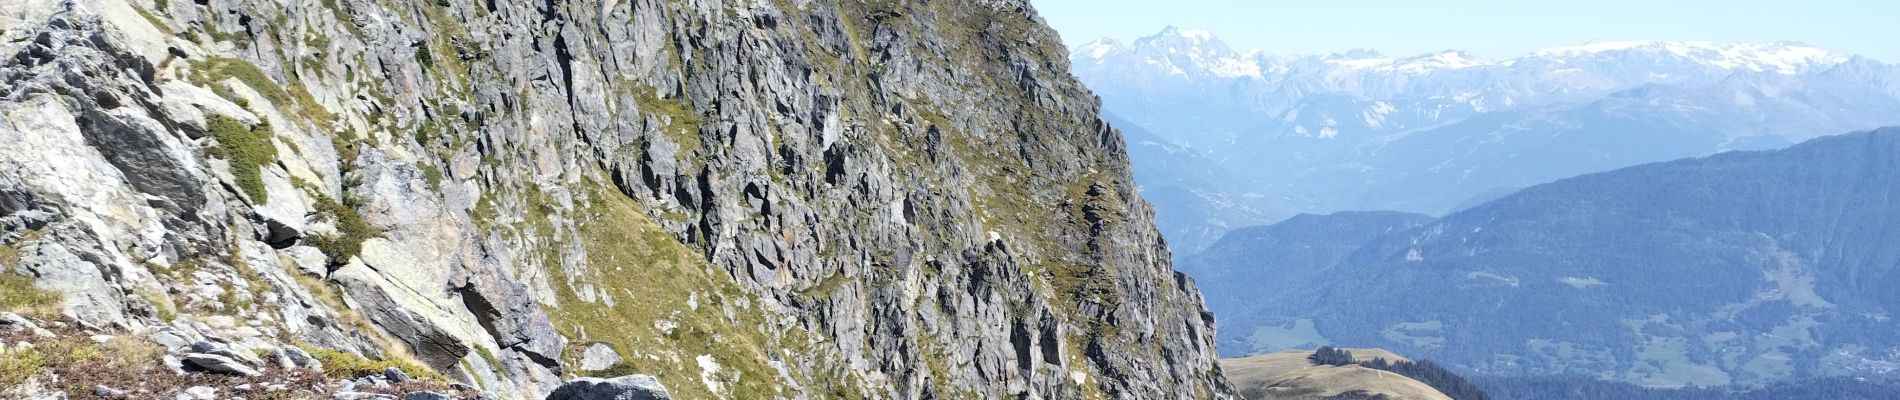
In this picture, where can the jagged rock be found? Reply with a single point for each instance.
(107, 392)
(395, 375)
(32, 389)
(599, 357)
(425, 395)
(400, 311)
(173, 363)
(630, 387)
(200, 393)
(219, 364)
(16, 323)
(226, 351)
(361, 396)
(171, 340)
(370, 381)
(302, 359)
(219, 322)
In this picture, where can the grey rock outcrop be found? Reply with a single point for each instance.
(219, 364)
(107, 392)
(599, 356)
(630, 387)
(801, 199)
(427, 396)
(199, 393)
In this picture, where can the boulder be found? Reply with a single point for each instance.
(219, 364)
(630, 387)
(428, 396)
(395, 375)
(599, 357)
(201, 393)
(107, 392)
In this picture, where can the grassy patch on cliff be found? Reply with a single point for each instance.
(18, 295)
(217, 69)
(669, 307)
(1005, 202)
(296, 99)
(341, 365)
(154, 20)
(248, 149)
(78, 361)
(351, 230)
(682, 121)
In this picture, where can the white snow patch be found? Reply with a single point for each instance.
(1099, 49)
(1234, 68)
(1375, 115)
(1198, 35)
(1782, 58)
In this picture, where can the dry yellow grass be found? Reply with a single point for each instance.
(1288, 375)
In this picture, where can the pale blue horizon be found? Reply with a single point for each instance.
(1488, 28)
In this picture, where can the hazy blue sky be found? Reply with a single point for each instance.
(1490, 28)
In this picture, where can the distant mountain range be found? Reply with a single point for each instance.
(1428, 133)
(1197, 199)
(1739, 268)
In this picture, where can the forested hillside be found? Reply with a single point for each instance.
(1745, 267)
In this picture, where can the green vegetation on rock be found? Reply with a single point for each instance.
(338, 364)
(248, 149)
(352, 230)
(682, 122)
(669, 306)
(18, 295)
(216, 69)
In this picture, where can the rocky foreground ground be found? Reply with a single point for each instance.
(220, 358)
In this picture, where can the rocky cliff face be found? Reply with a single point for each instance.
(748, 199)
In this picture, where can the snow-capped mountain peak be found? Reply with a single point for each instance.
(1099, 49)
(1184, 41)
(1201, 35)
(1777, 57)
(1449, 59)
(1416, 65)
(1198, 52)
(1174, 51)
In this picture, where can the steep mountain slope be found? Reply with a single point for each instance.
(846, 199)
(1252, 265)
(1363, 131)
(1196, 199)
(1745, 267)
